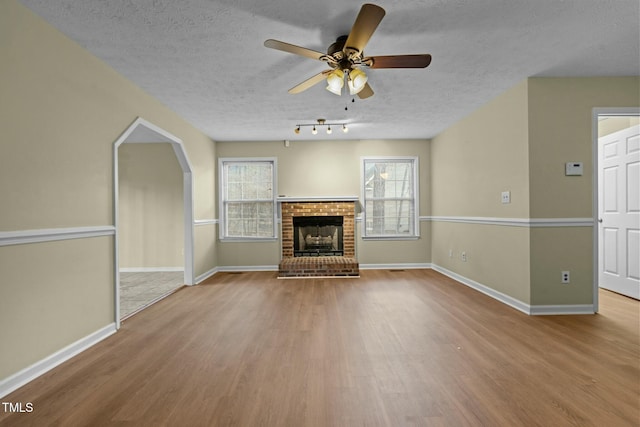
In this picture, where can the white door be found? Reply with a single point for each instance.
(619, 212)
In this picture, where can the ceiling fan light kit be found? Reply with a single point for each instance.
(346, 57)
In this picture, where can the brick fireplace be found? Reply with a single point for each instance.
(300, 260)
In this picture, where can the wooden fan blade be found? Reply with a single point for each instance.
(310, 82)
(291, 48)
(366, 23)
(366, 92)
(399, 61)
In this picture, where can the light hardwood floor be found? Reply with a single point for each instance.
(389, 349)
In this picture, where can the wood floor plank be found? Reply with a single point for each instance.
(402, 348)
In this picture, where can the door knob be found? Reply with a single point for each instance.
(600, 220)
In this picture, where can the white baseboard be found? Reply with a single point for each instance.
(536, 310)
(234, 268)
(504, 298)
(395, 266)
(204, 276)
(548, 310)
(30, 373)
(150, 269)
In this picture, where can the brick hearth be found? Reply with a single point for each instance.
(346, 265)
(319, 266)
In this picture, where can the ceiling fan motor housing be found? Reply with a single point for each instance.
(337, 45)
(343, 59)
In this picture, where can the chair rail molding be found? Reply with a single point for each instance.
(514, 222)
(21, 237)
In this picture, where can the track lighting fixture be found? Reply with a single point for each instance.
(319, 123)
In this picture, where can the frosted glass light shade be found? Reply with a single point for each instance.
(357, 80)
(335, 82)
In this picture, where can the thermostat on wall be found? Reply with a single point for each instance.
(573, 169)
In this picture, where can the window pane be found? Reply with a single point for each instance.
(234, 173)
(265, 210)
(265, 228)
(249, 191)
(245, 183)
(234, 210)
(389, 205)
(389, 217)
(263, 190)
(248, 210)
(234, 227)
(234, 191)
(249, 227)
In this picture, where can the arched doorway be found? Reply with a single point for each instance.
(144, 132)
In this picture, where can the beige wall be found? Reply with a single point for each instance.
(497, 256)
(330, 168)
(482, 155)
(560, 127)
(205, 248)
(613, 124)
(472, 163)
(560, 130)
(51, 295)
(150, 204)
(61, 109)
(520, 142)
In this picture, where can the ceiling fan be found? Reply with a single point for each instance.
(346, 57)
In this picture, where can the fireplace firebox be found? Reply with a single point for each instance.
(317, 236)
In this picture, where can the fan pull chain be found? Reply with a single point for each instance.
(346, 108)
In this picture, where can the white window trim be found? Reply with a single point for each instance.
(221, 195)
(416, 199)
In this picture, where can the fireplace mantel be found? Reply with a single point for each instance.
(289, 199)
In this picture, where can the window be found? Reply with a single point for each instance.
(390, 197)
(247, 198)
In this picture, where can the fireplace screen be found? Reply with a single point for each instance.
(317, 236)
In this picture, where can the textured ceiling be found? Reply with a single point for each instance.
(206, 61)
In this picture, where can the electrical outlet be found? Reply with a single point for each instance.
(463, 255)
(506, 197)
(566, 278)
